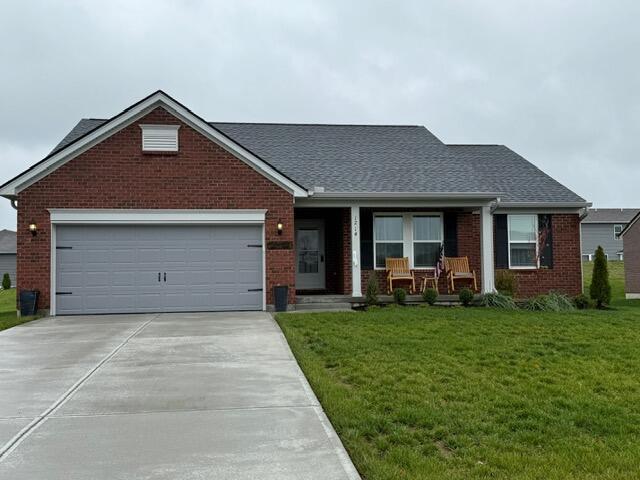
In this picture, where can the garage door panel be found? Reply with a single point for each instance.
(69, 280)
(115, 268)
(97, 279)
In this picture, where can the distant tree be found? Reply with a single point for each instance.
(6, 282)
(600, 289)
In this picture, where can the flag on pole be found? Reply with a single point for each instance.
(440, 262)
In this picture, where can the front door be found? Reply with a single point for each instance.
(310, 265)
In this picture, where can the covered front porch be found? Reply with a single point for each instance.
(339, 248)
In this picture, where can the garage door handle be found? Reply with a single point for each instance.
(158, 276)
(165, 276)
(254, 290)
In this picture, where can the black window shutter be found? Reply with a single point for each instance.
(501, 244)
(450, 223)
(545, 234)
(366, 239)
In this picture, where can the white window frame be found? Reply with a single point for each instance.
(509, 242)
(615, 235)
(407, 235)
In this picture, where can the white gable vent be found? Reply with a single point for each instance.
(160, 138)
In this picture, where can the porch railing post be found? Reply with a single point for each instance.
(356, 287)
(486, 250)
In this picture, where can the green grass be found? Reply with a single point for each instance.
(8, 316)
(478, 393)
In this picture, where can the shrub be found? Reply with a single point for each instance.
(600, 289)
(466, 296)
(582, 302)
(506, 282)
(430, 295)
(498, 300)
(372, 290)
(399, 295)
(6, 282)
(552, 302)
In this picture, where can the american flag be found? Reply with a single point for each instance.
(440, 262)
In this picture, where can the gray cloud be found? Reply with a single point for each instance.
(556, 81)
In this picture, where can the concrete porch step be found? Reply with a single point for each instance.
(323, 307)
(305, 299)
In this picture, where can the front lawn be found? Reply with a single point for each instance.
(8, 317)
(461, 393)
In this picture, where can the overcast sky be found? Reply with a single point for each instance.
(557, 81)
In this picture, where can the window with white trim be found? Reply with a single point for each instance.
(388, 233)
(160, 138)
(427, 240)
(416, 236)
(617, 230)
(523, 241)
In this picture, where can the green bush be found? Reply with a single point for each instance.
(430, 295)
(498, 300)
(552, 302)
(6, 282)
(582, 302)
(399, 295)
(372, 290)
(466, 296)
(506, 282)
(600, 289)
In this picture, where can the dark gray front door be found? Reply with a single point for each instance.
(154, 268)
(310, 264)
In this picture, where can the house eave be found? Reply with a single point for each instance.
(629, 225)
(53, 161)
(400, 199)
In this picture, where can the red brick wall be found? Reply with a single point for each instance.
(564, 277)
(347, 285)
(632, 259)
(117, 174)
(566, 274)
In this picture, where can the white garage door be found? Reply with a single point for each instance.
(153, 268)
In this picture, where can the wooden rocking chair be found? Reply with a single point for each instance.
(398, 269)
(458, 269)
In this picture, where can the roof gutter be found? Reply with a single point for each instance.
(582, 205)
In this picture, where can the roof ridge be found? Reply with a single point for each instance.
(298, 124)
(475, 145)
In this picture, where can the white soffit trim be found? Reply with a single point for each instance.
(630, 225)
(156, 217)
(129, 116)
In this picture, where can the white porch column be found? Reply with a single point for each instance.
(356, 287)
(486, 250)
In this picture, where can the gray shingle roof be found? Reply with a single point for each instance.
(7, 241)
(610, 215)
(503, 170)
(378, 158)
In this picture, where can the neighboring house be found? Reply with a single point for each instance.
(156, 209)
(8, 255)
(631, 239)
(602, 227)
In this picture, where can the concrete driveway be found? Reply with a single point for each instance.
(175, 396)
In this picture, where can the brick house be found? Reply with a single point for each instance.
(156, 209)
(631, 239)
